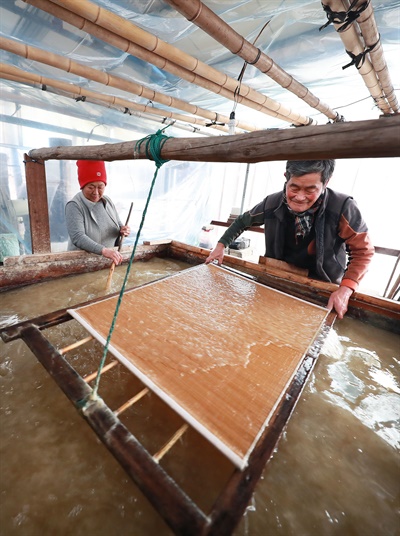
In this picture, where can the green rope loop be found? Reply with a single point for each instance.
(154, 144)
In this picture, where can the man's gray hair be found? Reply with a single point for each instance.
(297, 168)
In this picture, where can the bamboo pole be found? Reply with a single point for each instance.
(375, 138)
(168, 446)
(195, 11)
(70, 66)
(369, 30)
(131, 401)
(93, 375)
(129, 38)
(121, 239)
(76, 344)
(353, 45)
(9, 72)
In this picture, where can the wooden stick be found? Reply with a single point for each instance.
(75, 345)
(394, 289)
(93, 375)
(178, 434)
(131, 401)
(156, 242)
(391, 276)
(121, 238)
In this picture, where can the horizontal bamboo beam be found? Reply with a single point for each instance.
(74, 67)
(253, 99)
(128, 37)
(197, 12)
(375, 138)
(147, 111)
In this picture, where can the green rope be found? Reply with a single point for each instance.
(153, 145)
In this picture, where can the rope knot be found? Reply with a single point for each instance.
(153, 145)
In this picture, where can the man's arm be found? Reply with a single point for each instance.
(353, 230)
(241, 223)
(339, 300)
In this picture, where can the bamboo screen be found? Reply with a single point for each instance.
(219, 348)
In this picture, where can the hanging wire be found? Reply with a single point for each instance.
(153, 145)
(231, 124)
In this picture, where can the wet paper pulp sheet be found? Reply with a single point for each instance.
(219, 348)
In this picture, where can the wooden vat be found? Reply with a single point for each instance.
(145, 469)
(170, 500)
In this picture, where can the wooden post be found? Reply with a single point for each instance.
(38, 205)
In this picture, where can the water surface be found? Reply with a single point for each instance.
(336, 470)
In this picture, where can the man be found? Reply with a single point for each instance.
(310, 226)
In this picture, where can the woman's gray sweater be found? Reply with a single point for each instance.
(91, 226)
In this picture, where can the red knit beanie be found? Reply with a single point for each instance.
(91, 171)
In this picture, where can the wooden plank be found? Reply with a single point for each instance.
(282, 265)
(376, 138)
(218, 348)
(156, 242)
(38, 206)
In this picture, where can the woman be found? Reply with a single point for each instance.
(92, 220)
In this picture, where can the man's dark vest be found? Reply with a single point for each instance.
(330, 248)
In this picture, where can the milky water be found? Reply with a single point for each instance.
(336, 470)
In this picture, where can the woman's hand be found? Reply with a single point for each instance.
(112, 254)
(125, 230)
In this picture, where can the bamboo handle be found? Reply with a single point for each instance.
(121, 238)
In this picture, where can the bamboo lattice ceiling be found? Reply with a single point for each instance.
(143, 58)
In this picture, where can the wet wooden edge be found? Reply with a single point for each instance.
(380, 312)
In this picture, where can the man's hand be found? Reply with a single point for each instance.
(216, 254)
(339, 300)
